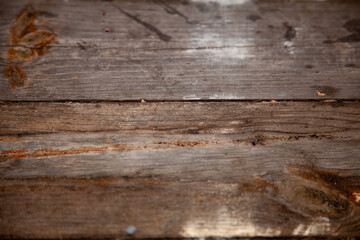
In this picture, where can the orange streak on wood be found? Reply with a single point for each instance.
(104, 181)
(258, 185)
(38, 153)
(99, 181)
(80, 181)
(8, 140)
(53, 152)
(348, 186)
(15, 154)
(14, 151)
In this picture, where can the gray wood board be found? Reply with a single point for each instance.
(190, 50)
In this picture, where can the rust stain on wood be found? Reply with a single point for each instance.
(323, 193)
(102, 180)
(80, 181)
(14, 154)
(30, 39)
(189, 143)
(8, 140)
(53, 152)
(15, 75)
(266, 139)
(39, 153)
(258, 185)
(348, 186)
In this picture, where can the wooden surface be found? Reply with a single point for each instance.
(183, 50)
(233, 169)
(82, 157)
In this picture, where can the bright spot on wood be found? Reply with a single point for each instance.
(320, 94)
(212, 45)
(224, 2)
(357, 196)
(223, 224)
(131, 230)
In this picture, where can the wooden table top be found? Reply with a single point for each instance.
(181, 119)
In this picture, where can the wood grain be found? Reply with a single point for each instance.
(80, 158)
(188, 50)
(179, 169)
(181, 117)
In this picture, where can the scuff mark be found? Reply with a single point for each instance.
(352, 26)
(290, 32)
(81, 46)
(161, 35)
(351, 65)
(289, 35)
(29, 41)
(258, 140)
(253, 17)
(171, 10)
(202, 7)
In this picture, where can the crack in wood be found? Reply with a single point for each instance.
(171, 10)
(162, 36)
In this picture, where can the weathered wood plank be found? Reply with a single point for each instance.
(175, 50)
(234, 190)
(182, 117)
(180, 169)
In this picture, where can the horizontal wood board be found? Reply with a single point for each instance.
(183, 50)
(180, 169)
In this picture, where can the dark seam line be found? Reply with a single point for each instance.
(161, 35)
(174, 101)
